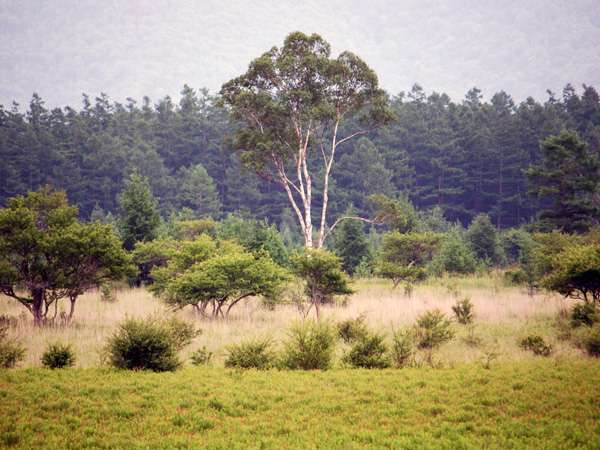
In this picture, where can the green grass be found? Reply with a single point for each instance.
(540, 403)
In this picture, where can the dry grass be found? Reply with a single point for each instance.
(503, 314)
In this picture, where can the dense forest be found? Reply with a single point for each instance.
(466, 157)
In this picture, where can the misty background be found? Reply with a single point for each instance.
(61, 49)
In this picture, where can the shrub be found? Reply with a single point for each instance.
(201, 357)
(369, 351)
(536, 344)
(463, 311)
(107, 294)
(591, 341)
(403, 348)
(350, 330)
(484, 241)
(310, 346)
(433, 329)
(455, 256)
(11, 352)
(143, 344)
(584, 314)
(255, 354)
(182, 332)
(58, 356)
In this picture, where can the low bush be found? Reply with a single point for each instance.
(58, 356)
(201, 357)
(255, 354)
(11, 352)
(310, 346)
(463, 311)
(584, 313)
(182, 332)
(591, 341)
(536, 344)
(350, 330)
(107, 293)
(369, 351)
(433, 328)
(403, 348)
(144, 344)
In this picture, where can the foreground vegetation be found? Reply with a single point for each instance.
(534, 404)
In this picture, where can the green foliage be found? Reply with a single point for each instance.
(140, 218)
(433, 329)
(404, 257)
(591, 341)
(322, 274)
(197, 191)
(369, 351)
(350, 330)
(204, 273)
(107, 293)
(46, 251)
(182, 332)
(351, 244)
(584, 314)
(454, 256)
(403, 348)
(310, 346)
(58, 356)
(256, 354)
(536, 344)
(150, 255)
(144, 344)
(484, 241)
(463, 311)
(567, 180)
(11, 352)
(399, 214)
(575, 272)
(201, 357)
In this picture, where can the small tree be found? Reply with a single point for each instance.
(575, 272)
(204, 273)
(149, 255)
(140, 218)
(198, 192)
(322, 274)
(404, 257)
(47, 255)
(351, 244)
(455, 256)
(483, 239)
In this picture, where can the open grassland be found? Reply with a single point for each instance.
(503, 315)
(531, 404)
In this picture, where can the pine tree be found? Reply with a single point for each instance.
(198, 192)
(351, 243)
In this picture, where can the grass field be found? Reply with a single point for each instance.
(532, 404)
(518, 401)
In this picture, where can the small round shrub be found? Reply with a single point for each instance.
(433, 328)
(310, 346)
(350, 330)
(369, 351)
(536, 344)
(58, 356)
(463, 311)
(403, 348)
(591, 341)
(255, 354)
(201, 357)
(182, 332)
(584, 314)
(143, 344)
(11, 352)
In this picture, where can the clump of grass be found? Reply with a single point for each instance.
(536, 344)
(463, 311)
(58, 356)
(403, 348)
(201, 357)
(11, 351)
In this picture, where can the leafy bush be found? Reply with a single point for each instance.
(483, 240)
(463, 311)
(143, 344)
(182, 332)
(591, 341)
(255, 354)
(310, 346)
(455, 256)
(350, 330)
(58, 356)
(433, 328)
(11, 352)
(403, 347)
(201, 357)
(107, 294)
(369, 351)
(584, 314)
(536, 344)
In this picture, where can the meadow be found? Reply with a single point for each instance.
(466, 399)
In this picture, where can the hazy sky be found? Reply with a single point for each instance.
(131, 48)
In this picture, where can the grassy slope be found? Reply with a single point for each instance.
(534, 404)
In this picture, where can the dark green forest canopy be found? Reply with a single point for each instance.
(467, 156)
